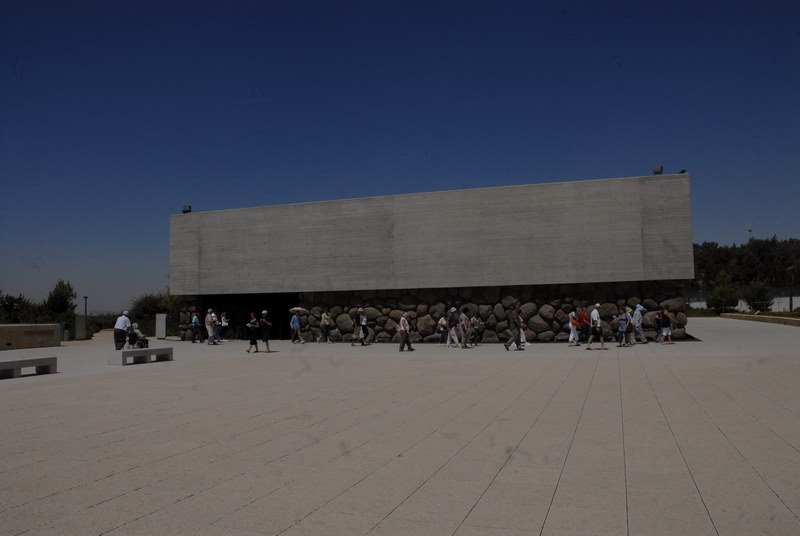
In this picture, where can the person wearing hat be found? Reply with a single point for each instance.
(452, 323)
(265, 324)
(638, 316)
(121, 328)
(597, 328)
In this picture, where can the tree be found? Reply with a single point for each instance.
(59, 303)
(756, 294)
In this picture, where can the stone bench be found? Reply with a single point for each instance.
(140, 355)
(13, 369)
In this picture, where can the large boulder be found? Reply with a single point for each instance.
(422, 309)
(562, 337)
(608, 310)
(383, 337)
(678, 334)
(437, 311)
(313, 321)
(336, 335)
(381, 320)
(633, 302)
(608, 333)
(650, 304)
(681, 320)
(390, 325)
(395, 315)
(499, 312)
(509, 301)
(489, 337)
(485, 311)
(344, 323)
(426, 325)
(561, 317)
(431, 338)
(407, 303)
(547, 312)
(372, 313)
(414, 337)
(538, 324)
(528, 310)
(501, 326)
(649, 320)
(316, 311)
(491, 323)
(545, 336)
(675, 305)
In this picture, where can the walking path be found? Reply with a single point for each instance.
(699, 437)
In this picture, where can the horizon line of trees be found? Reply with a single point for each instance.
(747, 271)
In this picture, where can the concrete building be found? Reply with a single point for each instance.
(608, 233)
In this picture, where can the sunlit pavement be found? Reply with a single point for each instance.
(698, 437)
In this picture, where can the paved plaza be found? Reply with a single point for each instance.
(697, 438)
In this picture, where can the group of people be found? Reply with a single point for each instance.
(629, 326)
(459, 330)
(456, 329)
(216, 327)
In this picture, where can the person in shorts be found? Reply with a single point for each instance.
(597, 328)
(664, 322)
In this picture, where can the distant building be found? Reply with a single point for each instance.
(557, 244)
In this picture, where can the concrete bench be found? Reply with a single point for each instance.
(140, 355)
(13, 369)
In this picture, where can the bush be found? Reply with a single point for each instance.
(724, 296)
(756, 294)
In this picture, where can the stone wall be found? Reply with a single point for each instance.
(16, 336)
(544, 309)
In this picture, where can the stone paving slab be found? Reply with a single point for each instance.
(698, 437)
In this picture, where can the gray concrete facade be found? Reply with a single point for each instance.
(607, 230)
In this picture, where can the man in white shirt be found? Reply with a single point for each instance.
(597, 328)
(404, 330)
(121, 330)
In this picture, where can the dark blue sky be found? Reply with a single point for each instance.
(114, 116)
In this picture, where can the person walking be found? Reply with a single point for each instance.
(215, 323)
(638, 316)
(597, 328)
(583, 325)
(623, 322)
(362, 320)
(295, 325)
(196, 336)
(225, 321)
(121, 327)
(452, 323)
(574, 338)
(327, 324)
(515, 326)
(265, 325)
(405, 330)
(252, 328)
(463, 327)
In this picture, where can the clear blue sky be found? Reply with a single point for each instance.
(115, 114)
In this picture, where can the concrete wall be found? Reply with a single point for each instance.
(632, 229)
(16, 336)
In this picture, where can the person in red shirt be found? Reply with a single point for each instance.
(583, 325)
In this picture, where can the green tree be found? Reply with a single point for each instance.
(60, 302)
(756, 294)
